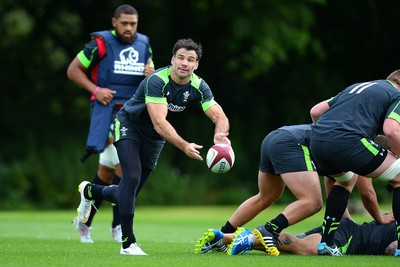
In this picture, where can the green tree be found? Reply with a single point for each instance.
(268, 63)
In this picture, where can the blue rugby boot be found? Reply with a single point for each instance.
(243, 240)
(325, 250)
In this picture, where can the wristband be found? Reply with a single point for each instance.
(93, 95)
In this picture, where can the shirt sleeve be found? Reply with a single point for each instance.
(207, 96)
(89, 55)
(154, 92)
(332, 100)
(394, 111)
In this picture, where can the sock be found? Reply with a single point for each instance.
(396, 212)
(97, 198)
(228, 228)
(336, 204)
(128, 237)
(278, 224)
(116, 219)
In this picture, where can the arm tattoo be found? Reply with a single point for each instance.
(286, 242)
(389, 250)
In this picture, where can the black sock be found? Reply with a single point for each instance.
(336, 204)
(116, 217)
(228, 228)
(278, 224)
(93, 191)
(96, 191)
(96, 199)
(128, 237)
(396, 212)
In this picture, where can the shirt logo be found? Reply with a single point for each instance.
(128, 63)
(123, 131)
(175, 108)
(185, 96)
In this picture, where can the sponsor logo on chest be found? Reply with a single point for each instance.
(128, 63)
(177, 108)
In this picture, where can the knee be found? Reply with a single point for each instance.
(265, 200)
(132, 177)
(318, 203)
(314, 203)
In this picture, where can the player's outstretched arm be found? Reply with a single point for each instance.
(370, 200)
(158, 114)
(218, 117)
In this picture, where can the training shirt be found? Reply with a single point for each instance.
(160, 88)
(364, 239)
(300, 132)
(359, 110)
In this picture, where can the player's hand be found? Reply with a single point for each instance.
(387, 218)
(191, 150)
(105, 95)
(222, 138)
(148, 68)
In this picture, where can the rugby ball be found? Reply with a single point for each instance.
(220, 158)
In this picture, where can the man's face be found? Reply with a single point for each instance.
(125, 27)
(184, 63)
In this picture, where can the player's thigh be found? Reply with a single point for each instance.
(389, 160)
(388, 171)
(304, 184)
(109, 157)
(118, 170)
(270, 185)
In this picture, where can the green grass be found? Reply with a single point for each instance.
(168, 234)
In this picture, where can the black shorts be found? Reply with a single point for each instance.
(282, 153)
(151, 144)
(361, 156)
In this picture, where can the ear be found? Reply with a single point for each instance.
(172, 60)
(197, 65)
(114, 22)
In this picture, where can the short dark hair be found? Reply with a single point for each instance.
(188, 44)
(125, 9)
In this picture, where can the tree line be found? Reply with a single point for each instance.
(267, 62)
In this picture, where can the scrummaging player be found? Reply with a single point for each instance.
(368, 197)
(342, 144)
(104, 57)
(352, 239)
(285, 161)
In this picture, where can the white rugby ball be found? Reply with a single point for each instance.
(220, 158)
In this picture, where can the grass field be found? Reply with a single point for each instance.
(168, 234)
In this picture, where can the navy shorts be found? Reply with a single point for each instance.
(282, 153)
(151, 143)
(361, 156)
